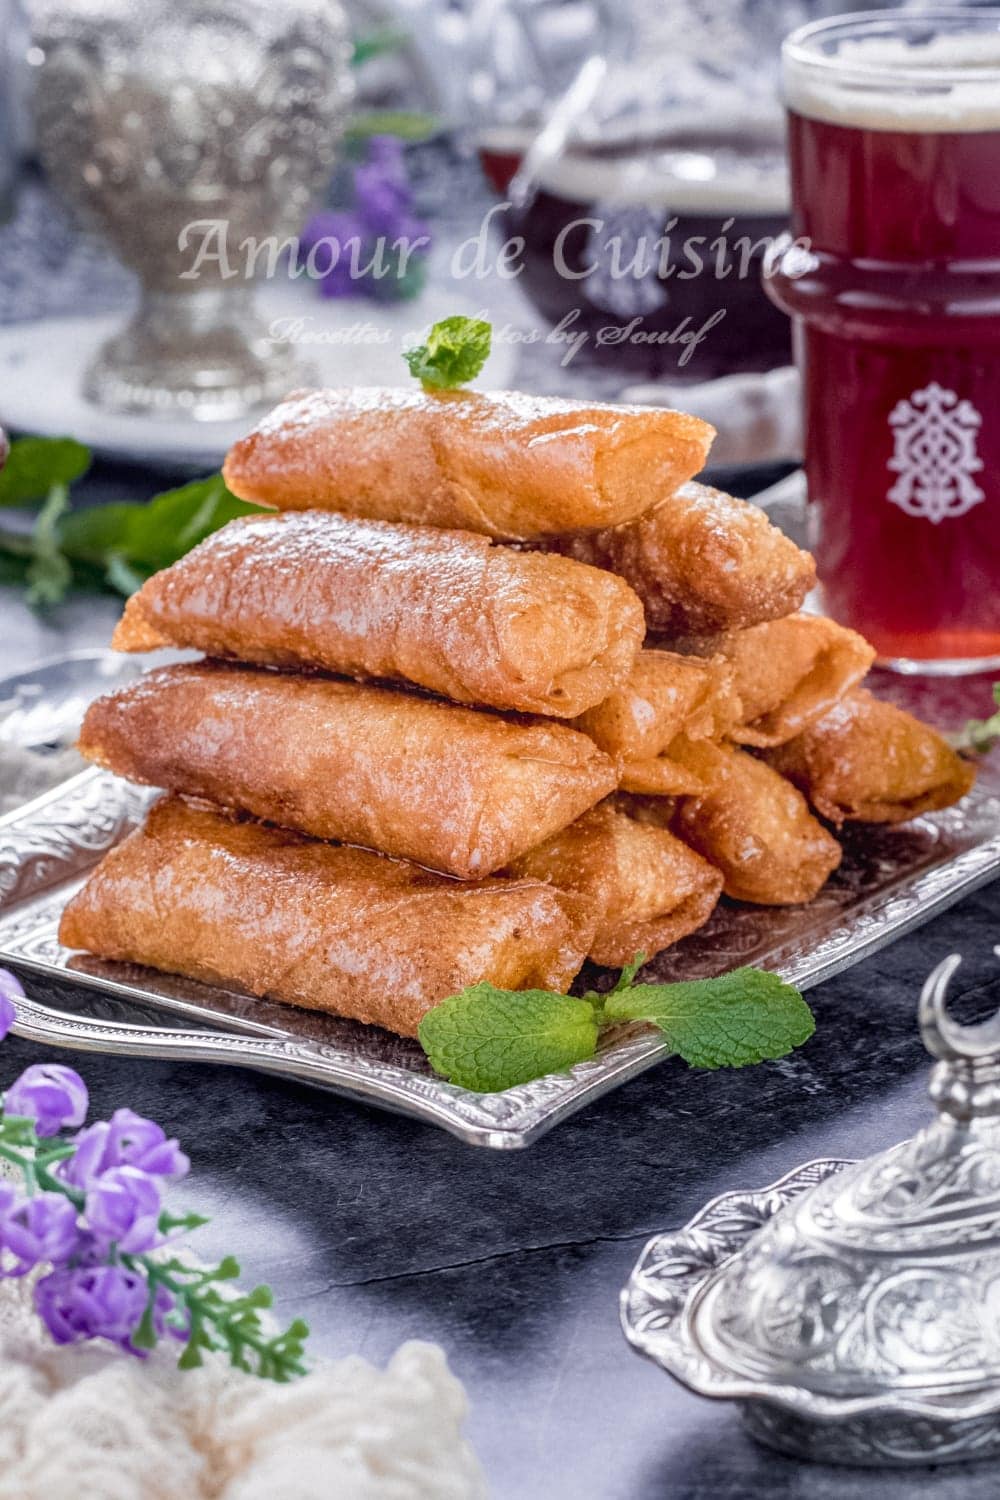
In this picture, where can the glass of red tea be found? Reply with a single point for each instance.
(893, 283)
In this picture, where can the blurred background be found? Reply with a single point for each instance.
(547, 162)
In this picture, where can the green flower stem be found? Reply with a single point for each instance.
(214, 1322)
(18, 1132)
(53, 1184)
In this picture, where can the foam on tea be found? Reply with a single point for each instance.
(889, 83)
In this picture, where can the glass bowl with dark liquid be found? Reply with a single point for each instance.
(647, 246)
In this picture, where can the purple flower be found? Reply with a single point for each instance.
(127, 1140)
(136, 1142)
(382, 202)
(9, 1198)
(330, 262)
(123, 1208)
(11, 991)
(37, 1229)
(91, 1302)
(386, 148)
(336, 225)
(53, 1096)
(351, 251)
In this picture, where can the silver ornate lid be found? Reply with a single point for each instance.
(856, 1314)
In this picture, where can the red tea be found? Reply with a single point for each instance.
(897, 312)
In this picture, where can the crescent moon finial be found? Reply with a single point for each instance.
(944, 1037)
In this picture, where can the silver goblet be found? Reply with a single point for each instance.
(161, 118)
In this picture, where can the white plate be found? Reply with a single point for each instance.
(347, 343)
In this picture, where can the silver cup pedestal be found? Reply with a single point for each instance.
(205, 354)
(168, 121)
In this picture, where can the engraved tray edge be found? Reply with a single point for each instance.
(51, 840)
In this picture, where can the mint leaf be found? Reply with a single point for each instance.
(49, 574)
(979, 734)
(172, 523)
(488, 1039)
(114, 546)
(739, 1018)
(35, 465)
(13, 566)
(376, 44)
(407, 124)
(128, 540)
(455, 352)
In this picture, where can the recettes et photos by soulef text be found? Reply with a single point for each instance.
(494, 686)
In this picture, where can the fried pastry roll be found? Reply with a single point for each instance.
(443, 609)
(460, 790)
(645, 887)
(789, 672)
(317, 925)
(866, 761)
(665, 696)
(702, 562)
(755, 827)
(503, 463)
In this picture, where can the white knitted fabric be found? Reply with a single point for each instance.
(89, 1423)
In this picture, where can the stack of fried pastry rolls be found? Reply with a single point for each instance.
(499, 688)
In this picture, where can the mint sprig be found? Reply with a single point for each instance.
(115, 546)
(487, 1039)
(49, 573)
(455, 352)
(980, 735)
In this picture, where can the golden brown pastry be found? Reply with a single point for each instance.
(755, 827)
(317, 925)
(866, 761)
(457, 789)
(665, 696)
(789, 672)
(702, 562)
(646, 889)
(443, 609)
(504, 463)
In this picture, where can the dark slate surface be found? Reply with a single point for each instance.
(378, 1229)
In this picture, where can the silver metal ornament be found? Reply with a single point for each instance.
(853, 1309)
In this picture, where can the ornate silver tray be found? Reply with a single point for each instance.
(890, 881)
